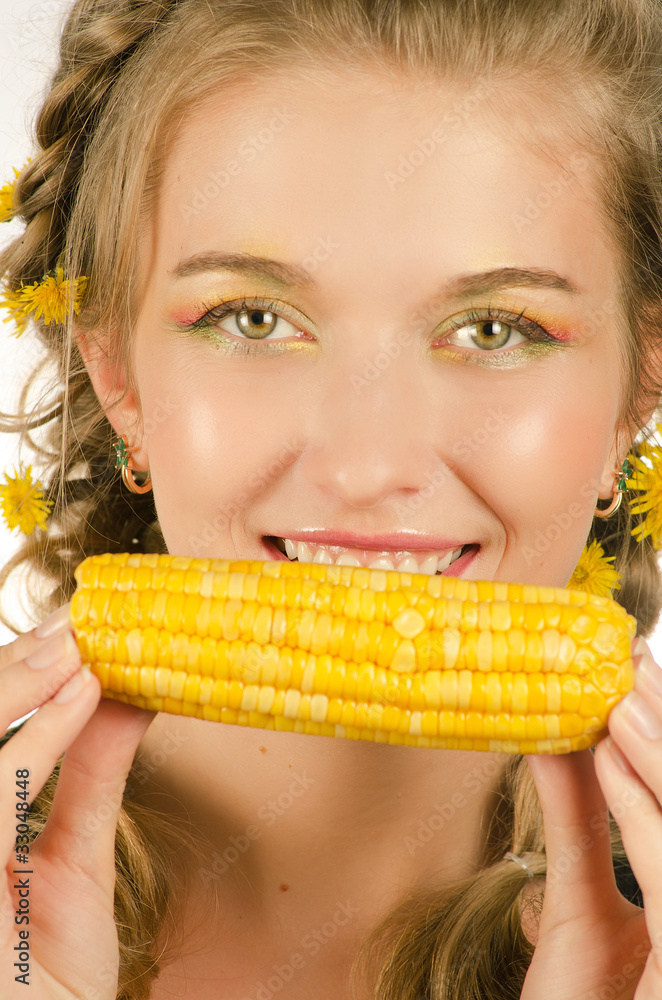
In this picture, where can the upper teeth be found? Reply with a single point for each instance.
(408, 563)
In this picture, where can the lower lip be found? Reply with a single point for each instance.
(455, 569)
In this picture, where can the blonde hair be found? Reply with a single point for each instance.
(129, 70)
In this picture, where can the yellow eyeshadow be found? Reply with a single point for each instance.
(229, 345)
(497, 359)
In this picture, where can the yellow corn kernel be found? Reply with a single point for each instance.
(352, 653)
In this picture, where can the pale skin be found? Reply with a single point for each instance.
(358, 457)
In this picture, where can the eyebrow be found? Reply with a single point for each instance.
(285, 275)
(293, 276)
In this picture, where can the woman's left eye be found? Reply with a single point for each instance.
(492, 330)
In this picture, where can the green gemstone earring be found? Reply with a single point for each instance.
(620, 488)
(123, 462)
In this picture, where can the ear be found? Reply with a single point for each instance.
(625, 435)
(112, 385)
(623, 442)
(608, 477)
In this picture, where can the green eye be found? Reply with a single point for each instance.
(488, 334)
(251, 327)
(255, 321)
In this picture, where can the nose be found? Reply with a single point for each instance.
(370, 440)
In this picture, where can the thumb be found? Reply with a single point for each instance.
(83, 818)
(580, 872)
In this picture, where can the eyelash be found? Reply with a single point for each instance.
(216, 314)
(530, 328)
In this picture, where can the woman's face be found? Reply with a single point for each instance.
(428, 355)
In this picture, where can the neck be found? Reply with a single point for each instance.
(286, 812)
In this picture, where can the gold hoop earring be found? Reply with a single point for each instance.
(124, 462)
(619, 489)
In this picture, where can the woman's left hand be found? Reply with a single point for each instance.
(593, 944)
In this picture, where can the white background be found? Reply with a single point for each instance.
(28, 34)
(28, 31)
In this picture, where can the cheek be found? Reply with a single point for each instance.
(552, 455)
(548, 462)
(212, 446)
(562, 426)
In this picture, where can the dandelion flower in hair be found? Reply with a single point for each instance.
(593, 572)
(18, 313)
(22, 501)
(50, 298)
(7, 198)
(650, 503)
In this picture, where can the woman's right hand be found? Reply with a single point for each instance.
(66, 887)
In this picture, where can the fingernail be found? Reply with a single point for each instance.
(640, 646)
(640, 716)
(618, 757)
(54, 623)
(651, 673)
(73, 686)
(59, 648)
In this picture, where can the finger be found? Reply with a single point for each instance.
(630, 771)
(21, 647)
(30, 682)
(637, 812)
(39, 743)
(635, 723)
(83, 817)
(580, 871)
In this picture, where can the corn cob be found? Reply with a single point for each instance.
(391, 657)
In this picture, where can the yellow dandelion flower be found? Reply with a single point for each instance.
(650, 503)
(7, 200)
(22, 501)
(49, 298)
(7, 195)
(593, 572)
(18, 310)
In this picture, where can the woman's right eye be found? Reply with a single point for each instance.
(252, 320)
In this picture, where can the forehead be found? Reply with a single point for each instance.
(392, 169)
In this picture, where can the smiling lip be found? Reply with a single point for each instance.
(456, 568)
(395, 541)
